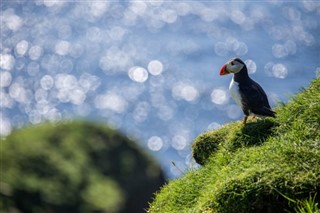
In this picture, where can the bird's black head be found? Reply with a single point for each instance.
(234, 65)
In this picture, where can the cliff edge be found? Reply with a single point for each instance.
(267, 165)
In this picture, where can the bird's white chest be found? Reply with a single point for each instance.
(234, 92)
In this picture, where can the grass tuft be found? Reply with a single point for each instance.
(267, 165)
(307, 205)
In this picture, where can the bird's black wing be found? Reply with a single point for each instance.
(255, 99)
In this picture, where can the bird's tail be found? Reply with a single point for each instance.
(269, 112)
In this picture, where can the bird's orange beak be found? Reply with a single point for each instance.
(223, 70)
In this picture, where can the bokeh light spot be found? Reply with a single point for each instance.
(5, 79)
(155, 143)
(98, 8)
(46, 82)
(219, 96)
(11, 20)
(89, 82)
(251, 65)
(22, 47)
(111, 101)
(213, 126)
(138, 74)
(179, 142)
(77, 96)
(19, 93)
(65, 81)
(62, 47)
(169, 16)
(141, 111)
(165, 112)
(291, 47)
(184, 91)
(51, 3)
(7, 61)
(208, 14)
(117, 33)
(76, 50)
(242, 49)
(183, 8)
(279, 51)
(279, 71)
(268, 68)
(238, 17)
(5, 127)
(5, 100)
(35, 52)
(138, 7)
(155, 67)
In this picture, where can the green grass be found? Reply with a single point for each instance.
(75, 166)
(307, 205)
(267, 165)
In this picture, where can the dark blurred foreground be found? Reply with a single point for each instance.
(75, 167)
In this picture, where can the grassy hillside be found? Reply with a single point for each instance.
(269, 165)
(75, 166)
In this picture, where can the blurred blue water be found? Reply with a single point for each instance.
(150, 68)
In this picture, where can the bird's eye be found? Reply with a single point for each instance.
(232, 63)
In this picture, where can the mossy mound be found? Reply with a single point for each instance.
(251, 134)
(75, 167)
(269, 165)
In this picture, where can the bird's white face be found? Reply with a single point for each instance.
(232, 66)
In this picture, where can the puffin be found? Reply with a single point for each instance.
(247, 93)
